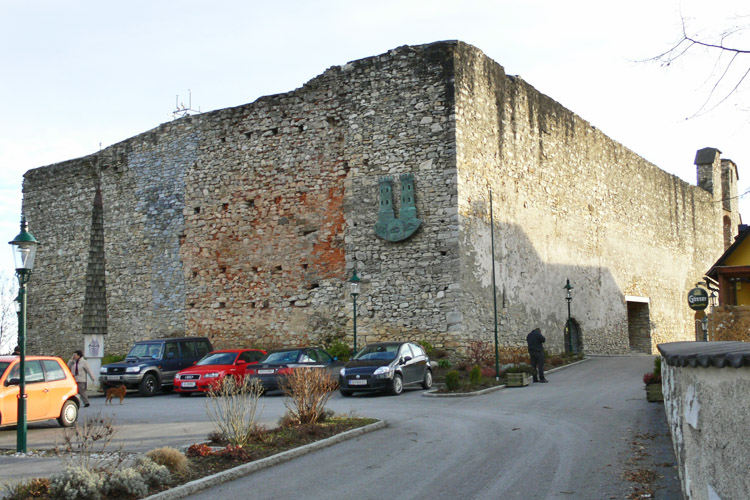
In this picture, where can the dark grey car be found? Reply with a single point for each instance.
(386, 366)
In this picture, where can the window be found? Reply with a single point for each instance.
(172, 351)
(53, 370)
(405, 351)
(417, 350)
(324, 357)
(34, 372)
(189, 350)
(203, 348)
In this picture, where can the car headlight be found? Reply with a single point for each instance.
(343, 372)
(211, 375)
(103, 369)
(383, 372)
(132, 369)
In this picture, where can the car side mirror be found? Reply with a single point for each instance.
(405, 359)
(12, 381)
(241, 362)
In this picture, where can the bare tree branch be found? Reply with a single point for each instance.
(727, 75)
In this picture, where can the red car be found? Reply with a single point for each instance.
(214, 367)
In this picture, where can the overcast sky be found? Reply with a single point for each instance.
(80, 75)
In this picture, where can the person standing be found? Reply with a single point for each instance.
(535, 341)
(80, 369)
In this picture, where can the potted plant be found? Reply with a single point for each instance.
(653, 382)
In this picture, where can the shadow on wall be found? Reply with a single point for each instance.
(531, 293)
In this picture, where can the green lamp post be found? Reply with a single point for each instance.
(354, 282)
(24, 252)
(569, 299)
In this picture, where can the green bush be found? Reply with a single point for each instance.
(475, 375)
(76, 483)
(153, 474)
(125, 482)
(340, 350)
(657, 366)
(444, 363)
(112, 358)
(428, 348)
(452, 380)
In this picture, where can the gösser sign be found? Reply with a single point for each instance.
(698, 299)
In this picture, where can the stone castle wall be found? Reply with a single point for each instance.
(244, 224)
(569, 203)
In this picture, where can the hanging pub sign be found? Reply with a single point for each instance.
(698, 299)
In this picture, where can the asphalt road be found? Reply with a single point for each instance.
(574, 438)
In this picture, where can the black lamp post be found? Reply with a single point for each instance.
(569, 299)
(24, 252)
(354, 282)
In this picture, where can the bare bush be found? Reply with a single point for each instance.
(307, 391)
(89, 445)
(172, 458)
(233, 408)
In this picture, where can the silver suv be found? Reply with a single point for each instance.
(152, 364)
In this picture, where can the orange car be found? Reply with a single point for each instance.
(51, 390)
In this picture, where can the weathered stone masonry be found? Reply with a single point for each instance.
(243, 224)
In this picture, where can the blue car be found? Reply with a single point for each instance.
(386, 367)
(272, 370)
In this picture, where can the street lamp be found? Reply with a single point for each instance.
(568, 298)
(354, 283)
(24, 252)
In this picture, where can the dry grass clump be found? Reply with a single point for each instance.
(171, 458)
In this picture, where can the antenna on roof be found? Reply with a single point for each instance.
(181, 110)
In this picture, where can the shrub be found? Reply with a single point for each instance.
(153, 474)
(171, 458)
(444, 363)
(488, 372)
(87, 444)
(657, 365)
(127, 482)
(306, 392)
(339, 350)
(76, 483)
(233, 452)
(428, 348)
(112, 358)
(199, 450)
(650, 378)
(232, 406)
(452, 380)
(475, 375)
(34, 488)
(480, 353)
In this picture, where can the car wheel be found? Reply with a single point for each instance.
(397, 385)
(427, 382)
(345, 393)
(148, 385)
(68, 414)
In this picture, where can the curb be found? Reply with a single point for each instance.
(434, 394)
(248, 468)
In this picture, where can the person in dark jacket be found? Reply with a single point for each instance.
(535, 340)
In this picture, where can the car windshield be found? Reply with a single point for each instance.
(283, 357)
(218, 358)
(3, 367)
(145, 351)
(384, 352)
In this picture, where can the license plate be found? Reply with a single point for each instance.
(188, 384)
(113, 377)
(265, 372)
(358, 382)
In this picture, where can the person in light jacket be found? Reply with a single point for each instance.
(535, 340)
(80, 369)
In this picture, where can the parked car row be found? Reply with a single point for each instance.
(189, 365)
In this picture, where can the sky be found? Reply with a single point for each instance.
(82, 75)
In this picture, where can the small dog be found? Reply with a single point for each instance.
(118, 391)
